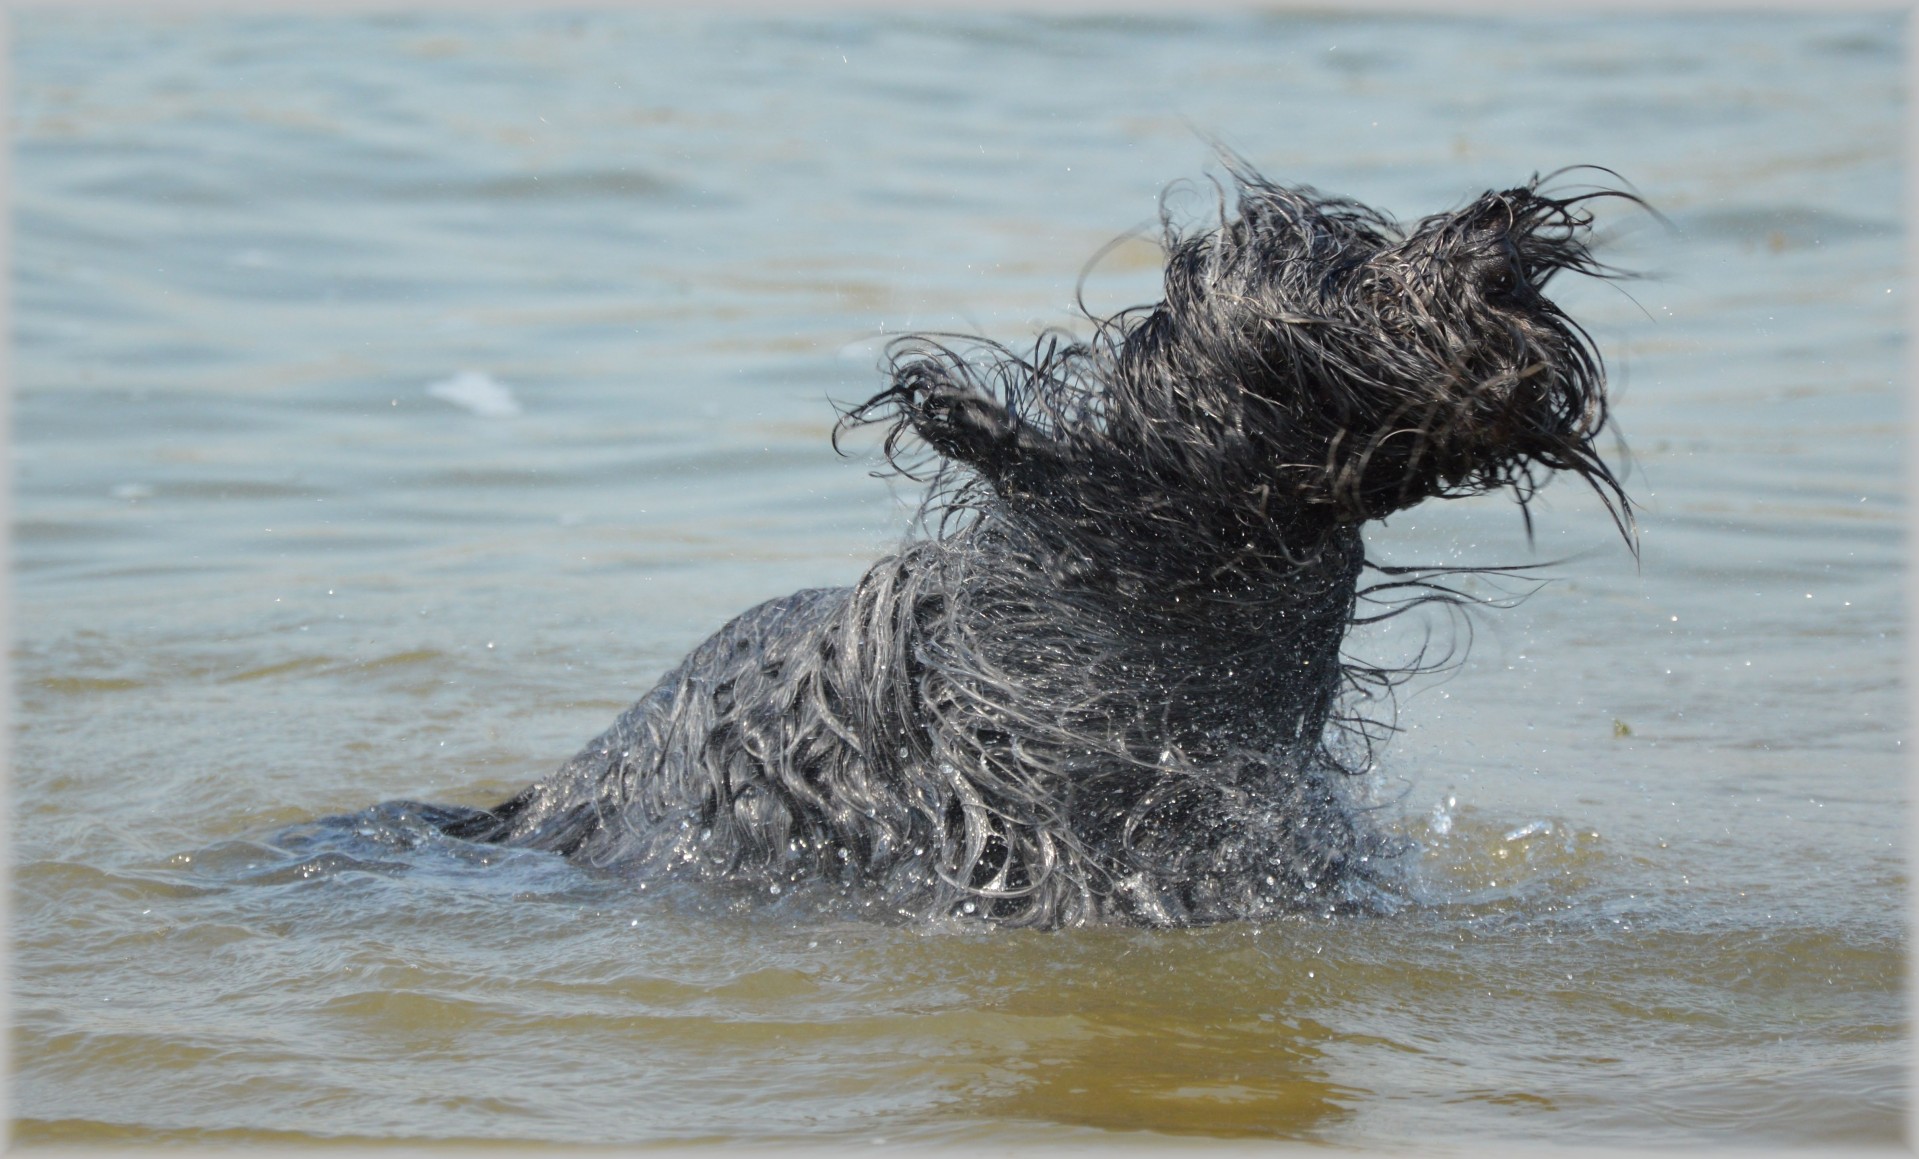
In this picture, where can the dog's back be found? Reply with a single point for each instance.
(948, 739)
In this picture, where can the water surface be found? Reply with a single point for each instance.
(273, 561)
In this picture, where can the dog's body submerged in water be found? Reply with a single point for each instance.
(1108, 686)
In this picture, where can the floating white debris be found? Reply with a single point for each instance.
(867, 349)
(478, 392)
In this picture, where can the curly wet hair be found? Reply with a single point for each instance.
(1104, 683)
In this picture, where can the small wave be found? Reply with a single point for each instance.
(392, 841)
(477, 391)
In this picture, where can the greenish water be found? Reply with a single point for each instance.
(262, 574)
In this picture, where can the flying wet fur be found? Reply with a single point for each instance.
(1105, 684)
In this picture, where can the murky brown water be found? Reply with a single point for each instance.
(263, 575)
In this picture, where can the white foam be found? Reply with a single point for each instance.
(478, 392)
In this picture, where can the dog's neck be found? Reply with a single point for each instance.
(1172, 648)
(1198, 552)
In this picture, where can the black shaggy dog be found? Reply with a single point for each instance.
(1107, 686)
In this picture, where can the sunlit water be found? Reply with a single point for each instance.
(395, 398)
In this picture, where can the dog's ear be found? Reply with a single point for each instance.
(958, 420)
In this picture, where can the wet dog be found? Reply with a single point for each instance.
(1107, 684)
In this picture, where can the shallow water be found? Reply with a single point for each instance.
(275, 559)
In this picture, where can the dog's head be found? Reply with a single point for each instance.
(1380, 368)
(1308, 351)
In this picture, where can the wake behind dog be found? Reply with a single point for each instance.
(1106, 684)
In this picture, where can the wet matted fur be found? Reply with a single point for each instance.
(1106, 685)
